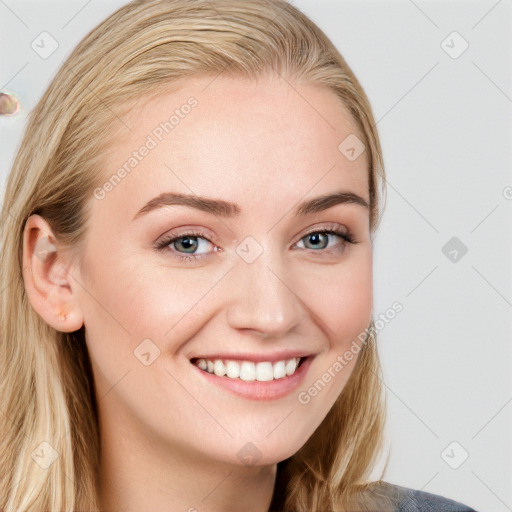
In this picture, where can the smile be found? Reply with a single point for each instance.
(256, 379)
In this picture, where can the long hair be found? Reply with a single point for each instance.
(46, 383)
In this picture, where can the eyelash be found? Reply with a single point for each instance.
(171, 238)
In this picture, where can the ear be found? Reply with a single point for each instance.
(47, 277)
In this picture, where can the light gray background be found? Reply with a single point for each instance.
(445, 125)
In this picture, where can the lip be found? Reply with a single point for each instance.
(255, 390)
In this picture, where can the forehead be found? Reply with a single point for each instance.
(236, 139)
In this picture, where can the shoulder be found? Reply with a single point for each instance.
(412, 500)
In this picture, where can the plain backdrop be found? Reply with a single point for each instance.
(438, 76)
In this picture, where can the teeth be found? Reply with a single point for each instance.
(264, 372)
(232, 369)
(291, 366)
(218, 368)
(249, 371)
(279, 370)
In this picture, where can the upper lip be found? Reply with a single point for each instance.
(255, 357)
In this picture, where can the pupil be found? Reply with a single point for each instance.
(188, 241)
(315, 238)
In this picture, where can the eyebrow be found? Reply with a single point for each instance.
(229, 210)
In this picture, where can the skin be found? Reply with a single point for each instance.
(170, 440)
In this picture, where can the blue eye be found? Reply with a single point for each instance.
(316, 238)
(187, 246)
(189, 242)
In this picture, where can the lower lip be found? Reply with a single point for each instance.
(256, 390)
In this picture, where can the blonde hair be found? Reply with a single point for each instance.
(46, 384)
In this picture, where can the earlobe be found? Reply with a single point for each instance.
(47, 277)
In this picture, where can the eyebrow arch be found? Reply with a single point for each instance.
(229, 210)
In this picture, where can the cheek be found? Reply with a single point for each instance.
(119, 308)
(137, 300)
(125, 304)
(343, 308)
(342, 298)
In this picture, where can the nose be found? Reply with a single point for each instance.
(263, 299)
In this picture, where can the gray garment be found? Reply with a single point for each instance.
(383, 496)
(411, 500)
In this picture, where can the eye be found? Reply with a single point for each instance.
(320, 238)
(186, 246)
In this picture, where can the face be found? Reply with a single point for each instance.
(202, 250)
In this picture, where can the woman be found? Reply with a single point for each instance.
(187, 244)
